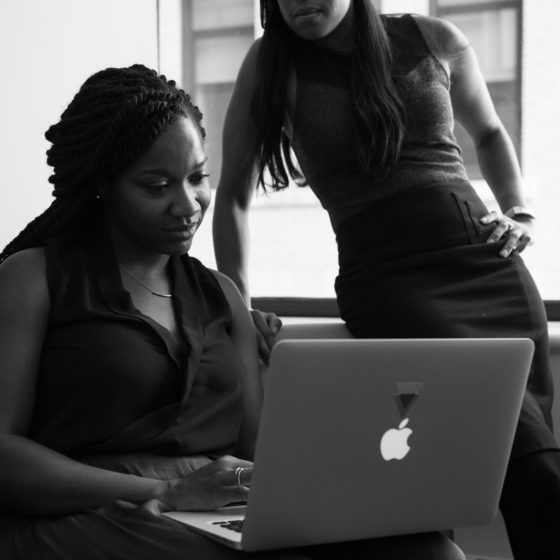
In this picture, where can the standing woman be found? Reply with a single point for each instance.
(367, 103)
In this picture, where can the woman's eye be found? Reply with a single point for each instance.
(157, 188)
(198, 178)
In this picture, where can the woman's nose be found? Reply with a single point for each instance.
(185, 202)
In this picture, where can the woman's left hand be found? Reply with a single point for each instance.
(517, 233)
(267, 326)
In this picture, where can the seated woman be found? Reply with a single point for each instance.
(129, 378)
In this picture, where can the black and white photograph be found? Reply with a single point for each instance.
(279, 280)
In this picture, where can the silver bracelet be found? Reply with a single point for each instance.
(520, 211)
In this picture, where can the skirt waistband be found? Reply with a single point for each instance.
(413, 222)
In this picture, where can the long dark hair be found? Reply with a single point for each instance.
(378, 112)
(114, 117)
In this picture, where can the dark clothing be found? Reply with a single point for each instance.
(117, 391)
(150, 384)
(413, 257)
(323, 129)
(406, 274)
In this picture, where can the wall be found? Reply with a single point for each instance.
(47, 49)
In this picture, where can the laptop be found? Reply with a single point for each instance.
(363, 438)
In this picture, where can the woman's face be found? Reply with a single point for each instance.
(156, 205)
(313, 19)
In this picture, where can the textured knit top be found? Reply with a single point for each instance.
(112, 380)
(323, 133)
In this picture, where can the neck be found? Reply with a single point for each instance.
(155, 267)
(340, 39)
(135, 259)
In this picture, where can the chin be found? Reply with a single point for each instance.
(175, 249)
(310, 34)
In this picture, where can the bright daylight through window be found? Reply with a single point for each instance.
(293, 250)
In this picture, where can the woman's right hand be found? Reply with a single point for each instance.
(224, 481)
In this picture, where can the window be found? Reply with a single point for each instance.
(493, 29)
(293, 252)
(513, 39)
(217, 35)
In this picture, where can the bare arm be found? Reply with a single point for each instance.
(237, 179)
(474, 109)
(34, 479)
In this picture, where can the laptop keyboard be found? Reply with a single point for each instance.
(233, 524)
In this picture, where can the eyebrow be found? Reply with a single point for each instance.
(161, 170)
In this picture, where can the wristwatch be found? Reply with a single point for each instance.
(520, 211)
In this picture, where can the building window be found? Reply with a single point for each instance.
(493, 28)
(293, 251)
(216, 37)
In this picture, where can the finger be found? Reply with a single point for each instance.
(274, 322)
(263, 347)
(263, 344)
(231, 494)
(241, 475)
(512, 242)
(259, 319)
(262, 322)
(524, 242)
(269, 337)
(151, 508)
(245, 475)
(222, 468)
(490, 217)
(241, 462)
(499, 231)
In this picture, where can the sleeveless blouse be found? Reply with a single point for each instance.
(114, 381)
(323, 132)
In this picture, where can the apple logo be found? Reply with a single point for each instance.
(394, 442)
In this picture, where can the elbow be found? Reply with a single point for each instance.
(228, 201)
(491, 135)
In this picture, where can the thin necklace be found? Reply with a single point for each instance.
(159, 294)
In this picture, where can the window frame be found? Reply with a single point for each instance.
(492, 6)
(327, 307)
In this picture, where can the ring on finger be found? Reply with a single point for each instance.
(237, 474)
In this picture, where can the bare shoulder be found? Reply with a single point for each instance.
(238, 133)
(253, 52)
(444, 38)
(248, 72)
(228, 286)
(23, 277)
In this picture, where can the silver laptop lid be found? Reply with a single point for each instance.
(367, 438)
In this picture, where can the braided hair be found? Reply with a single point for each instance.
(114, 117)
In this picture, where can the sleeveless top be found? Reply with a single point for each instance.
(113, 380)
(323, 133)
